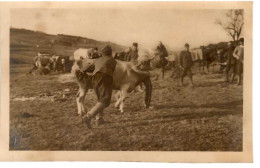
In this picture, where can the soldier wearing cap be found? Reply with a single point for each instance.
(95, 54)
(132, 55)
(231, 62)
(239, 55)
(102, 84)
(185, 63)
(163, 54)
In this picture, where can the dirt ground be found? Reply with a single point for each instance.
(207, 117)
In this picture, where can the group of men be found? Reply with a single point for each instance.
(105, 65)
(185, 60)
(235, 61)
(103, 79)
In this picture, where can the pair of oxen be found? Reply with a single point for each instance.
(45, 63)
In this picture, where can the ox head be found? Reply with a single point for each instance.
(85, 65)
(34, 68)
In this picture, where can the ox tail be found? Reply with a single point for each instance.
(148, 91)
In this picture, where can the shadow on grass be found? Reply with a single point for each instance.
(227, 105)
(177, 117)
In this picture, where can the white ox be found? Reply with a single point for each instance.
(43, 61)
(125, 79)
(83, 53)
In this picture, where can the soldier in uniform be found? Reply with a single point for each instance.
(95, 54)
(132, 54)
(185, 64)
(230, 63)
(239, 55)
(102, 82)
(163, 53)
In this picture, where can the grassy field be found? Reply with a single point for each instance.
(207, 117)
(43, 111)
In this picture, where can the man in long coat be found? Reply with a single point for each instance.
(185, 63)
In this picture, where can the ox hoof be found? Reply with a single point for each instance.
(81, 114)
(121, 111)
(151, 107)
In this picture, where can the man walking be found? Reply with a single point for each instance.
(185, 63)
(102, 82)
(239, 55)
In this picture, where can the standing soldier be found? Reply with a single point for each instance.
(230, 63)
(185, 63)
(162, 54)
(102, 82)
(95, 54)
(132, 54)
(127, 54)
(239, 55)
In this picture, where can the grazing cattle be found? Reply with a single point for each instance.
(41, 61)
(125, 79)
(38, 71)
(62, 63)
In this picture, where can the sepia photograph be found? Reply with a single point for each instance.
(129, 78)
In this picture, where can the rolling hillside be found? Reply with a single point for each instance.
(25, 44)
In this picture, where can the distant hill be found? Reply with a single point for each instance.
(25, 44)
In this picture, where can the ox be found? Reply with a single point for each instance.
(62, 63)
(83, 53)
(125, 79)
(223, 54)
(209, 55)
(41, 61)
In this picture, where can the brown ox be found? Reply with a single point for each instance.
(125, 78)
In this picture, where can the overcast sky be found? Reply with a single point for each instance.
(124, 26)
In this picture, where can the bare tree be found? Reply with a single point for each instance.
(233, 23)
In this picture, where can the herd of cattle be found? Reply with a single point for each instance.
(125, 77)
(203, 56)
